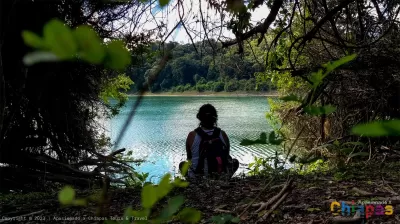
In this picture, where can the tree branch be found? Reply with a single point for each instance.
(262, 28)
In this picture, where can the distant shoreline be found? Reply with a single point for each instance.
(195, 93)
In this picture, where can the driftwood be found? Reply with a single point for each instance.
(56, 170)
(275, 201)
(276, 197)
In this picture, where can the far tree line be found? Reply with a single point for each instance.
(198, 69)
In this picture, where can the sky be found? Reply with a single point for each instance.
(192, 7)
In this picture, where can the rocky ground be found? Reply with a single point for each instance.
(307, 200)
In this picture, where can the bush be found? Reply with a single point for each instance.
(242, 84)
(201, 81)
(200, 87)
(155, 87)
(188, 87)
(173, 89)
(263, 87)
(210, 86)
(250, 85)
(231, 85)
(218, 86)
(180, 88)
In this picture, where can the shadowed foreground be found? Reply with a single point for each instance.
(307, 201)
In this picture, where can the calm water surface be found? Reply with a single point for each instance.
(159, 129)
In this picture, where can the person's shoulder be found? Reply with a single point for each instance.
(223, 133)
(220, 129)
(192, 134)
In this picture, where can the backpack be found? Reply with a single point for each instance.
(213, 150)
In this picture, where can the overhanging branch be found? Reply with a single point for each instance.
(260, 29)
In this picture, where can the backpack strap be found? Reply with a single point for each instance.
(201, 133)
(204, 138)
(216, 133)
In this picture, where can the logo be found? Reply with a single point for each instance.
(366, 209)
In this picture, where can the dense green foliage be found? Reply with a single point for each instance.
(189, 70)
(318, 74)
(48, 111)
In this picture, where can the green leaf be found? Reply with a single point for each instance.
(118, 57)
(276, 141)
(291, 97)
(163, 2)
(59, 39)
(272, 135)
(189, 215)
(164, 187)
(149, 196)
(32, 40)
(309, 160)
(330, 66)
(128, 213)
(273, 139)
(129, 153)
(336, 143)
(90, 46)
(316, 78)
(172, 207)
(319, 110)
(141, 215)
(247, 142)
(378, 128)
(346, 150)
(313, 209)
(235, 220)
(185, 168)
(180, 183)
(39, 56)
(66, 195)
(80, 202)
(362, 154)
(263, 137)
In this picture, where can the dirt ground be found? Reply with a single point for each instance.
(308, 199)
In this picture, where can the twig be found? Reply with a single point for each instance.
(273, 207)
(222, 210)
(252, 202)
(370, 149)
(274, 198)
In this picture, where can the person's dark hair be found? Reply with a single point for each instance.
(208, 116)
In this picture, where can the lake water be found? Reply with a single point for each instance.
(160, 126)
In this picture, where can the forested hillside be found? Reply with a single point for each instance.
(199, 68)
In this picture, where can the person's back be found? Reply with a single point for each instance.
(207, 147)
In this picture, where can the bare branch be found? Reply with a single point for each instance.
(262, 28)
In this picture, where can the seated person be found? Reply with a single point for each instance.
(207, 147)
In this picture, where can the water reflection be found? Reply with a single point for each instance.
(161, 124)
